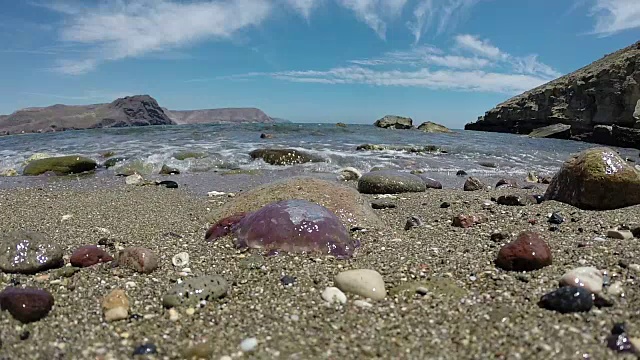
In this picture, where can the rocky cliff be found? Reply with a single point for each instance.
(139, 110)
(218, 116)
(597, 101)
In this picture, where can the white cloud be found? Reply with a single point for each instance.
(121, 29)
(447, 14)
(374, 13)
(304, 7)
(478, 46)
(425, 55)
(613, 16)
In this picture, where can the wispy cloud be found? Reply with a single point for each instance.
(487, 69)
(304, 7)
(613, 16)
(439, 14)
(118, 29)
(375, 13)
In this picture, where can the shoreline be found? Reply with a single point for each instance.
(472, 309)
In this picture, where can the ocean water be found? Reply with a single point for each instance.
(227, 146)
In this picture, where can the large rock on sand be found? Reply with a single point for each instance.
(596, 179)
(60, 165)
(390, 182)
(344, 201)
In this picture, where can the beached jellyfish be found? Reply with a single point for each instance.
(295, 226)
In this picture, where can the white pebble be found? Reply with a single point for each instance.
(362, 304)
(135, 179)
(174, 315)
(216, 193)
(334, 295)
(364, 282)
(635, 267)
(619, 234)
(66, 217)
(180, 259)
(587, 277)
(249, 344)
(616, 289)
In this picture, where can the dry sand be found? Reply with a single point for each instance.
(472, 309)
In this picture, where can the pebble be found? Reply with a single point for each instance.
(528, 252)
(473, 184)
(89, 255)
(364, 282)
(468, 220)
(66, 217)
(28, 252)
(349, 173)
(516, 200)
(145, 349)
(288, 280)
(26, 304)
(169, 184)
(174, 315)
(615, 289)
(249, 344)
(568, 299)
(194, 290)
(445, 205)
(180, 259)
(362, 303)
(216, 193)
(634, 267)
(382, 204)
(461, 173)
(115, 305)
(139, 259)
(333, 295)
(412, 222)
(201, 350)
(587, 277)
(555, 218)
(500, 236)
(619, 234)
(135, 179)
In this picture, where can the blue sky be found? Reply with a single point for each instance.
(305, 60)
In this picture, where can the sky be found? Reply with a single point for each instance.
(350, 61)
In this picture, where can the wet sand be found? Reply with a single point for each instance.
(472, 310)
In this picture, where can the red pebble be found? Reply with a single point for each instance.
(465, 221)
(526, 253)
(26, 305)
(89, 255)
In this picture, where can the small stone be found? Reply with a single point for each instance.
(516, 200)
(89, 255)
(201, 350)
(539, 198)
(461, 173)
(190, 311)
(568, 299)
(333, 295)
(145, 349)
(619, 328)
(25, 335)
(180, 260)
(26, 304)
(620, 343)
(168, 170)
(364, 282)
(169, 184)
(556, 218)
(500, 236)
(134, 179)
(634, 267)
(362, 303)
(589, 278)
(287, 280)
(349, 174)
(28, 252)
(139, 259)
(115, 305)
(194, 290)
(528, 252)
(412, 222)
(253, 261)
(174, 315)
(506, 183)
(66, 217)
(382, 204)
(616, 289)
(468, 220)
(445, 205)
(249, 344)
(473, 184)
(619, 234)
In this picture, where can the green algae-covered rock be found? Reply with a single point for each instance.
(284, 156)
(390, 182)
(60, 165)
(192, 291)
(596, 179)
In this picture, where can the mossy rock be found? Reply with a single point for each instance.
(36, 156)
(184, 155)
(60, 165)
(284, 156)
(596, 179)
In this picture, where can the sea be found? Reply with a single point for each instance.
(226, 148)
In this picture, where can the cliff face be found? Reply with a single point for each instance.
(597, 101)
(139, 110)
(218, 116)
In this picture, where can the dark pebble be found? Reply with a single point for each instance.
(288, 280)
(445, 205)
(135, 317)
(25, 335)
(382, 204)
(620, 343)
(623, 264)
(619, 328)
(556, 218)
(554, 228)
(567, 299)
(539, 198)
(412, 222)
(499, 236)
(145, 349)
(89, 255)
(461, 173)
(168, 184)
(26, 305)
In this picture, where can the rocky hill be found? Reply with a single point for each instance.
(218, 116)
(138, 110)
(597, 101)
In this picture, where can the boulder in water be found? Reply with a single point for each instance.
(596, 179)
(394, 122)
(284, 156)
(432, 127)
(60, 165)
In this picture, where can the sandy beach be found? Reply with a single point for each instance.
(472, 310)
